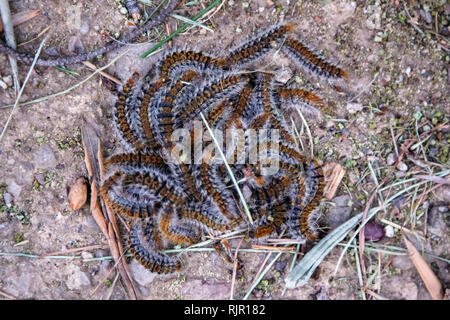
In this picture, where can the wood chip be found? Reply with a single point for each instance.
(432, 283)
(333, 176)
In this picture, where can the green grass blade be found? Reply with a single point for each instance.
(180, 29)
(194, 23)
(305, 268)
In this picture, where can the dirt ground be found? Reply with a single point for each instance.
(397, 55)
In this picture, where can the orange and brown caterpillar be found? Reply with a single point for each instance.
(305, 57)
(257, 47)
(188, 59)
(122, 114)
(146, 253)
(175, 202)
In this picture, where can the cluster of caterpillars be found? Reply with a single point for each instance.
(175, 203)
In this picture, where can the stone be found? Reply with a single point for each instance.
(389, 231)
(283, 75)
(44, 157)
(205, 290)
(8, 80)
(340, 213)
(402, 166)
(86, 255)
(8, 199)
(354, 107)
(27, 166)
(141, 275)
(401, 288)
(436, 223)
(77, 279)
(84, 29)
(14, 189)
(52, 51)
(443, 193)
(373, 231)
(390, 160)
(75, 45)
(402, 262)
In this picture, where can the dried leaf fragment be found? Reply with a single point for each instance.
(78, 194)
(432, 283)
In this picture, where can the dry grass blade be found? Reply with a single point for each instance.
(375, 295)
(311, 141)
(261, 273)
(432, 283)
(272, 248)
(7, 295)
(233, 281)
(10, 40)
(22, 17)
(404, 229)
(434, 179)
(107, 223)
(89, 144)
(93, 247)
(233, 179)
(91, 66)
(22, 88)
(194, 23)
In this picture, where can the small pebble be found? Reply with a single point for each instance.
(389, 231)
(280, 265)
(283, 75)
(8, 199)
(60, 166)
(44, 157)
(51, 51)
(8, 80)
(354, 107)
(86, 255)
(123, 11)
(84, 29)
(408, 71)
(75, 45)
(14, 189)
(426, 16)
(373, 231)
(402, 166)
(390, 160)
(40, 178)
